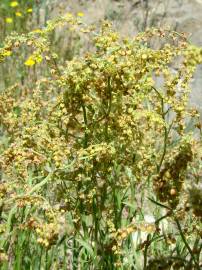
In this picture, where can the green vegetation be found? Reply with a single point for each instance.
(100, 155)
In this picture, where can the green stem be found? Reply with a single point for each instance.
(86, 124)
(166, 130)
(186, 244)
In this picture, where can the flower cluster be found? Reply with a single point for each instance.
(79, 142)
(15, 13)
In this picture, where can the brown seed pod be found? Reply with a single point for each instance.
(173, 192)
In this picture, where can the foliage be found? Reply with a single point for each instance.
(85, 146)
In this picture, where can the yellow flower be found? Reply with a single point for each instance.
(30, 62)
(18, 14)
(29, 10)
(14, 4)
(80, 14)
(37, 31)
(33, 59)
(9, 20)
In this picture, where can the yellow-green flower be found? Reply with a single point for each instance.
(14, 4)
(9, 20)
(7, 53)
(80, 14)
(38, 58)
(68, 14)
(18, 14)
(29, 10)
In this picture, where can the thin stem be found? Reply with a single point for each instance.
(86, 124)
(186, 244)
(109, 106)
(166, 130)
(160, 204)
(145, 252)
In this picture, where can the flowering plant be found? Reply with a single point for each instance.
(84, 148)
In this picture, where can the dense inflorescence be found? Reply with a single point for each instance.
(78, 143)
